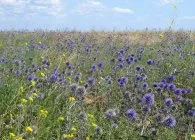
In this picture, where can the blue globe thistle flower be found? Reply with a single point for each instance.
(189, 90)
(177, 91)
(121, 65)
(114, 125)
(3, 60)
(148, 99)
(122, 51)
(73, 88)
(146, 109)
(145, 84)
(179, 98)
(93, 67)
(168, 102)
(131, 114)
(53, 78)
(82, 116)
(91, 81)
(120, 59)
(191, 112)
(155, 84)
(100, 64)
(171, 78)
(80, 91)
(138, 68)
(110, 113)
(30, 77)
(170, 121)
(98, 130)
(150, 62)
(122, 81)
(171, 86)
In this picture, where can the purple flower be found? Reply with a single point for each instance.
(91, 81)
(138, 68)
(145, 85)
(168, 102)
(93, 67)
(171, 86)
(170, 121)
(191, 112)
(100, 64)
(150, 62)
(177, 91)
(30, 77)
(148, 99)
(122, 81)
(131, 113)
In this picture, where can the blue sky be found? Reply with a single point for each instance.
(96, 14)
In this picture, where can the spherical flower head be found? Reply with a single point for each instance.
(81, 91)
(131, 113)
(122, 81)
(191, 112)
(189, 90)
(93, 67)
(150, 62)
(121, 65)
(170, 121)
(171, 78)
(138, 68)
(30, 77)
(179, 98)
(155, 84)
(168, 102)
(98, 130)
(91, 81)
(100, 64)
(171, 86)
(146, 109)
(53, 78)
(148, 99)
(110, 113)
(73, 88)
(82, 116)
(145, 84)
(177, 91)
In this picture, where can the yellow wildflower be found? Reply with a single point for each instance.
(30, 99)
(94, 124)
(68, 136)
(60, 118)
(87, 138)
(29, 129)
(73, 129)
(42, 74)
(35, 94)
(22, 89)
(71, 99)
(193, 136)
(33, 82)
(90, 116)
(12, 135)
(19, 138)
(24, 101)
(161, 35)
(43, 113)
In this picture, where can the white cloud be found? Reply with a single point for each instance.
(32, 7)
(122, 10)
(163, 2)
(89, 7)
(187, 18)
